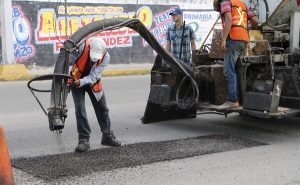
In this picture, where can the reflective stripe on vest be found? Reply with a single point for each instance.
(83, 64)
(239, 26)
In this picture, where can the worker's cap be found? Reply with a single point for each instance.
(98, 47)
(176, 11)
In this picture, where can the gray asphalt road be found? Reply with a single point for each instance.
(27, 132)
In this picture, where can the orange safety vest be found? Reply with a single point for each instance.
(239, 28)
(83, 65)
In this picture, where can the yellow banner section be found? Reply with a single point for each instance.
(51, 25)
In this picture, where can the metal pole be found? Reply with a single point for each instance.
(6, 32)
(295, 29)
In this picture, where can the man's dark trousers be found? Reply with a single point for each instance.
(100, 108)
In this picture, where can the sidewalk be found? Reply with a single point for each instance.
(110, 70)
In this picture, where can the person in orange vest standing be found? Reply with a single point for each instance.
(235, 16)
(87, 66)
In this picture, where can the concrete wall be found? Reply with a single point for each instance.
(37, 41)
(43, 30)
(40, 26)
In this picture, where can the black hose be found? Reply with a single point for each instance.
(56, 109)
(58, 69)
(267, 9)
(135, 24)
(276, 27)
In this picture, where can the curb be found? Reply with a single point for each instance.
(11, 72)
(126, 72)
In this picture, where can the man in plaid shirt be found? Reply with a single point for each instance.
(174, 38)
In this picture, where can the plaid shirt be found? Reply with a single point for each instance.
(174, 35)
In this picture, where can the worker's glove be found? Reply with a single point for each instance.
(259, 26)
(76, 83)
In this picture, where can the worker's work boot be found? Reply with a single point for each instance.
(83, 145)
(228, 105)
(109, 139)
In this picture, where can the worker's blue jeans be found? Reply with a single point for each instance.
(234, 49)
(100, 108)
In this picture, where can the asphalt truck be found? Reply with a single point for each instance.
(269, 73)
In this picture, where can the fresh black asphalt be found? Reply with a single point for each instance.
(53, 167)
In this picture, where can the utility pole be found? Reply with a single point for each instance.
(6, 32)
(9, 70)
(294, 32)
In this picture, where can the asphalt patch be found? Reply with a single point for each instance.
(53, 167)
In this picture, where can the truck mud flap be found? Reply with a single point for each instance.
(156, 112)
